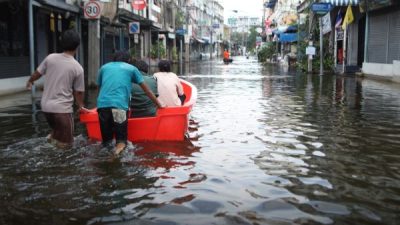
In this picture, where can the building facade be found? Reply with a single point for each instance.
(31, 29)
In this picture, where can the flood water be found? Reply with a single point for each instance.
(266, 145)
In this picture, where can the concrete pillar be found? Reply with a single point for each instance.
(187, 55)
(174, 25)
(94, 51)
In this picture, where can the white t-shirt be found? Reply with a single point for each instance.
(169, 87)
(62, 75)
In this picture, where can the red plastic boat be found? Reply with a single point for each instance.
(170, 124)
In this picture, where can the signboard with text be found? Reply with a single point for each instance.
(321, 8)
(326, 24)
(310, 50)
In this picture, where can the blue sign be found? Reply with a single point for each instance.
(321, 8)
(134, 28)
(180, 31)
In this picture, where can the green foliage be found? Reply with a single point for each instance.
(266, 52)
(251, 39)
(157, 50)
(132, 52)
(179, 18)
(328, 60)
(301, 55)
(174, 54)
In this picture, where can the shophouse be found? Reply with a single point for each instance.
(29, 31)
(382, 38)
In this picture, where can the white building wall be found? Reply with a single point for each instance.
(386, 71)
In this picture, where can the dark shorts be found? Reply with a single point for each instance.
(110, 126)
(62, 126)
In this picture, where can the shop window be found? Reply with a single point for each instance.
(13, 29)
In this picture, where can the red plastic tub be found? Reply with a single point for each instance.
(170, 124)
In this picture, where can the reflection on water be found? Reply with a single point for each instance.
(266, 145)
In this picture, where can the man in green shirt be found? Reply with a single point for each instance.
(141, 105)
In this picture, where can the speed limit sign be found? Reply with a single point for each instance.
(92, 10)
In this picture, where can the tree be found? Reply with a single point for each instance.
(157, 50)
(251, 40)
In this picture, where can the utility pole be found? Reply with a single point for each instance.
(211, 42)
(32, 52)
(94, 52)
(366, 31)
(211, 29)
(321, 50)
(187, 55)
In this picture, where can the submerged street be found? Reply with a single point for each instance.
(266, 145)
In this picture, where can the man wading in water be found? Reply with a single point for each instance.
(63, 81)
(115, 85)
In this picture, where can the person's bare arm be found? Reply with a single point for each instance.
(79, 96)
(150, 94)
(35, 76)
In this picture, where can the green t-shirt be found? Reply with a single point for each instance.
(115, 81)
(141, 105)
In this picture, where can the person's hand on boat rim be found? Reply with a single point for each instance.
(159, 105)
(83, 110)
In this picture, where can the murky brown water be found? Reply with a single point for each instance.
(266, 146)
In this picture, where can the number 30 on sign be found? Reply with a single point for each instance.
(92, 10)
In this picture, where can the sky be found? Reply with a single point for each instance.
(244, 7)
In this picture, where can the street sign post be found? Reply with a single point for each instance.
(92, 10)
(310, 50)
(321, 8)
(180, 31)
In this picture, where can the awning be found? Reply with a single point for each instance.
(60, 5)
(206, 39)
(198, 40)
(288, 37)
(125, 17)
(280, 29)
(276, 31)
(342, 2)
(291, 28)
(270, 3)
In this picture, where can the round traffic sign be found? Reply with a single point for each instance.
(92, 10)
(139, 4)
(134, 27)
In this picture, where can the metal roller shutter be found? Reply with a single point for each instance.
(14, 67)
(394, 37)
(377, 41)
(109, 48)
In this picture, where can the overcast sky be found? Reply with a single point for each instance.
(244, 7)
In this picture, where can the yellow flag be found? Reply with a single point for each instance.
(348, 18)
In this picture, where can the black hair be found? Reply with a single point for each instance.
(122, 56)
(70, 40)
(164, 66)
(141, 65)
